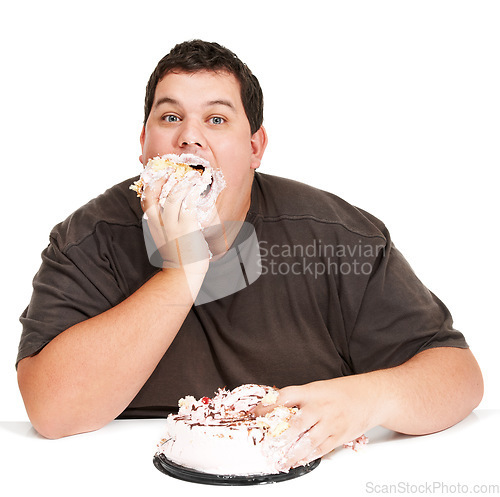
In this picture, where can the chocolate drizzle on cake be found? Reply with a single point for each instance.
(222, 434)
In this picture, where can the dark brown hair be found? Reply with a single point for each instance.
(198, 55)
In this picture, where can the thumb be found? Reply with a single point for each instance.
(287, 396)
(294, 396)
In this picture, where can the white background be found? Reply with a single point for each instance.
(392, 105)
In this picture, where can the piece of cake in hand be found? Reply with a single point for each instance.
(207, 182)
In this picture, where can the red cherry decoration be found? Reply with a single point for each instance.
(205, 400)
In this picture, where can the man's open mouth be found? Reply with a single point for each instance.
(201, 169)
(198, 167)
(210, 181)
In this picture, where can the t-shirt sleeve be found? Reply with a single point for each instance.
(66, 292)
(398, 317)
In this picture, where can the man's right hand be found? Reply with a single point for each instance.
(174, 227)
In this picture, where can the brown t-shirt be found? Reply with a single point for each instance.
(334, 296)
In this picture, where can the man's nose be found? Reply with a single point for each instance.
(191, 134)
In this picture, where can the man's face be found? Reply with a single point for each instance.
(202, 113)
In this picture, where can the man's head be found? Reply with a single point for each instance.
(197, 55)
(202, 100)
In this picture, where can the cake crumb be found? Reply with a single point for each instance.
(269, 399)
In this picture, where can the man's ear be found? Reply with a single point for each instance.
(142, 138)
(258, 143)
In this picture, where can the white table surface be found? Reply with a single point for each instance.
(117, 460)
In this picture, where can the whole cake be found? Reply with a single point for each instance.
(207, 182)
(222, 436)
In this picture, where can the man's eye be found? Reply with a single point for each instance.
(217, 120)
(170, 118)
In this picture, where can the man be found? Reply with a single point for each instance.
(337, 319)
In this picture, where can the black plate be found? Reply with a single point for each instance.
(187, 474)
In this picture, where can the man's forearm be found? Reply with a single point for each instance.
(89, 373)
(432, 391)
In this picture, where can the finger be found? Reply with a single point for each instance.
(149, 204)
(177, 193)
(151, 194)
(323, 449)
(287, 396)
(172, 208)
(329, 445)
(163, 223)
(193, 196)
(261, 409)
(308, 446)
(188, 213)
(301, 423)
(153, 218)
(294, 396)
(326, 447)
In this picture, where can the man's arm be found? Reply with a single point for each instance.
(89, 373)
(432, 391)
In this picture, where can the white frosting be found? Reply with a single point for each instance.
(357, 444)
(212, 179)
(222, 436)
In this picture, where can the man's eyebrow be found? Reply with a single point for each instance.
(166, 100)
(227, 103)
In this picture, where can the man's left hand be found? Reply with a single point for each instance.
(332, 412)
